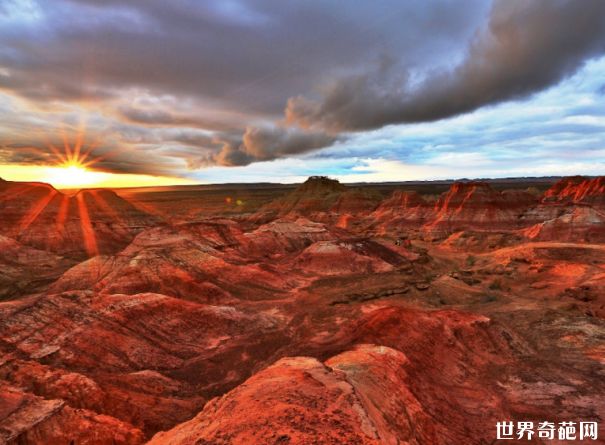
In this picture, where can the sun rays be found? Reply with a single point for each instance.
(73, 166)
(44, 203)
(36, 210)
(74, 216)
(88, 232)
(73, 204)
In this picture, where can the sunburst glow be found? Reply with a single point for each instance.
(73, 176)
(74, 169)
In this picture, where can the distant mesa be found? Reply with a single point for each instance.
(320, 185)
(323, 199)
(316, 194)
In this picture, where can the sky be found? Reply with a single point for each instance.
(149, 92)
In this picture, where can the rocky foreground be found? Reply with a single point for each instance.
(330, 315)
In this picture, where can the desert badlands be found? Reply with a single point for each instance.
(320, 313)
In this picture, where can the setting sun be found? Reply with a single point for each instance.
(73, 176)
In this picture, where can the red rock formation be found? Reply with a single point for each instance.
(300, 400)
(147, 359)
(368, 395)
(351, 208)
(297, 401)
(356, 202)
(578, 189)
(346, 257)
(578, 224)
(423, 381)
(284, 235)
(569, 211)
(476, 205)
(400, 201)
(216, 263)
(466, 206)
(403, 210)
(207, 263)
(324, 200)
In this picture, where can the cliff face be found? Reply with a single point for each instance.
(572, 209)
(578, 190)
(476, 204)
(578, 224)
(402, 207)
(465, 206)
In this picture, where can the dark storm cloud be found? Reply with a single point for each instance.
(249, 54)
(526, 47)
(268, 143)
(261, 144)
(274, 142)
